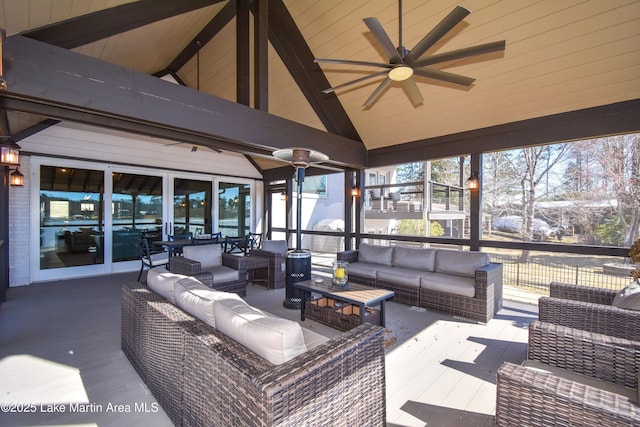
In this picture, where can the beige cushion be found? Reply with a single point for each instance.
(460, 263)
(277, 340)
(459, 285)
(414, 258)
(198, 300)
(375, 254)
(403, 276)
(277, 246)
(582, 379)
(628, 298)
(209, 256)
(224, 274)
(162, 281)
(364, 269)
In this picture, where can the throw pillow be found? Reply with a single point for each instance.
(628, 298)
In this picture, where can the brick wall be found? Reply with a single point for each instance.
(19, 228)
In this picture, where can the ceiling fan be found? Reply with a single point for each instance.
(404, 64)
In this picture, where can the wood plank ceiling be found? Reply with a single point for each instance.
(561, 56)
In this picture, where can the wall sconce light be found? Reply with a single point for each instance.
(9, 153)
(16, 179)
(355, 191)
(473, 183)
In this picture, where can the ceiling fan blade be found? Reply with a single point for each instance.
(444, 76)
(383, 39)
(376, 93)
(361, 79)
(461, 53)
(349, 62)
(450, 21)
(413, 92)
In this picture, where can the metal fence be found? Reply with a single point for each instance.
(540, 269)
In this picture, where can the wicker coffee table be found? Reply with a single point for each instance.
(357, 301)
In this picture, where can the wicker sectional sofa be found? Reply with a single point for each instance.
(202, 376)
(460, 283)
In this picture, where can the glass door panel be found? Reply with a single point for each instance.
(136, 210)
(191, 206)
(234, 209)
(71, 217)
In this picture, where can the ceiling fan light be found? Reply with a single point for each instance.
(400, 74)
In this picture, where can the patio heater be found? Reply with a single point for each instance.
(298, 261)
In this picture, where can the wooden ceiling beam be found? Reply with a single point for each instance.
(222, 18)
(243, 61)
(58, 83)
(99, 25)
(288, 42)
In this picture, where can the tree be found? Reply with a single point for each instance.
(619, 158)
(530, 166)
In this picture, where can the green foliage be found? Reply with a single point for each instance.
(436, 229)
(410, 172)
(416, 227)
(611, 232)
(410, 227)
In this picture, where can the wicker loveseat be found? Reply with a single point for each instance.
(570, 377)
(201, 376)
(589, 309)
(464, 284)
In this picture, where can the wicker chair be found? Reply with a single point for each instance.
(274, 275)
(604, 393)
(588, 309)
(222, 277)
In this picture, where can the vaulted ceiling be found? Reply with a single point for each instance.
(561, 57)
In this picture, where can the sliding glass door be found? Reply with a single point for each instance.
(71, 217)
(137, 210)
(192, 209)
(91, 216)
(234, 209)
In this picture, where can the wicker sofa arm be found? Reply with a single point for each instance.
(349, 256)
(582, 293)
(529, 398)
(598, 318)
(341, 382)
(236, 262)
(182, 265)
(352, 364)
(489, 275)
(276, 259)
(611, 359)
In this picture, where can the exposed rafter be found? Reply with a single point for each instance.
(298, 58)
(91, 91)
(222, 18)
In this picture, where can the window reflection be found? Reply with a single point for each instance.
(71, 217)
